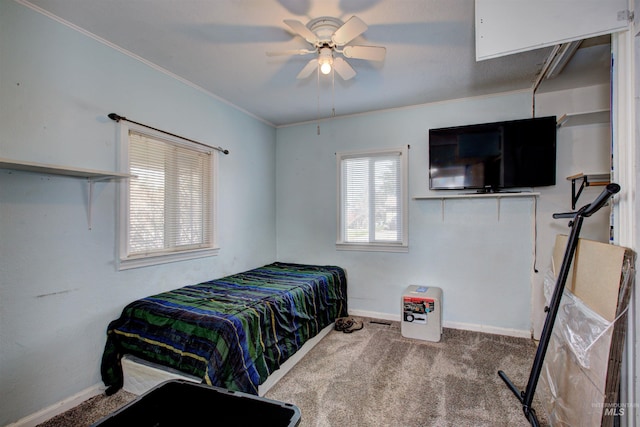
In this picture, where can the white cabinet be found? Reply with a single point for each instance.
(504, 27)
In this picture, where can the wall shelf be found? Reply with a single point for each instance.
(587, 180)
(585, 118)
(60, 170)
(497, 196)
(92, 175)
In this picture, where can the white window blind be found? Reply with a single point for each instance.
(170, 202)
(372, 200)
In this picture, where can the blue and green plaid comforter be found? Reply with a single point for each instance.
(232, 332)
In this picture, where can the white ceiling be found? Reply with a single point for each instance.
(220, 46)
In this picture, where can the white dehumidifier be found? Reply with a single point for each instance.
(422, 313)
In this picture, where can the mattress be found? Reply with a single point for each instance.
(231, 332)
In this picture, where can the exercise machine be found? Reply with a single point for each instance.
(526, 396)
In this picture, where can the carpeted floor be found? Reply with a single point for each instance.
(90, 411)
(375, 377)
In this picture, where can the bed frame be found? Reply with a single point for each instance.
(141, 376)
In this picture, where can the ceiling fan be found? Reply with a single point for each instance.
(330, 36)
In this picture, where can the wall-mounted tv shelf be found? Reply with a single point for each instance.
(91, 175)
(475, 195)
(497, 196)
(586, 180)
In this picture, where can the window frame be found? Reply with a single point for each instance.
(376, 246)
(125, 260)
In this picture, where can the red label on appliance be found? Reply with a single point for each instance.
(418, 305)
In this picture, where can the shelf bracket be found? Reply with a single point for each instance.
(575, 195)
(597, 179)
(92, 175)
(90, 184)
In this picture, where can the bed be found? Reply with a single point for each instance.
(231, 332)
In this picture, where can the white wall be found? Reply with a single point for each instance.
(581, 149)
(58, 285)
(479, 252)
(481, 256)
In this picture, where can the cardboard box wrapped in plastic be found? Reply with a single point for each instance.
(581, 371)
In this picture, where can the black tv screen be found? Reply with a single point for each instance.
(493, 156)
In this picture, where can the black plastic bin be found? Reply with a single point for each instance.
(183, 403)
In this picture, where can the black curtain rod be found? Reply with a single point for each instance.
(117, 118)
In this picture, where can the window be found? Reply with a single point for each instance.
(167, 210)
(373, 200)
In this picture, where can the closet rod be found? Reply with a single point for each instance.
(116, 117)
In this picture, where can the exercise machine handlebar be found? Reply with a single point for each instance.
(593, 207)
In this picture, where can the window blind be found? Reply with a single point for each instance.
(170, 201)
(371, 199)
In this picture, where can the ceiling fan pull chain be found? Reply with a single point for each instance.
(333, 92)
(318, 96)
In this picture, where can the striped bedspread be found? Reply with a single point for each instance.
(232, 332)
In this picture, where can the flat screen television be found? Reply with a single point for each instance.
(491, 157)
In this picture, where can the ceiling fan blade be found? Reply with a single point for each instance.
(349, 31)
(291, 52)
(372, 53)
(308, 69)
(343, 68)
(300, 29)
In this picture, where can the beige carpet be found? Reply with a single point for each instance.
(375, 377)
(90, 411)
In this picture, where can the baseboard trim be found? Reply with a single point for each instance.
(518, 333)
(58, 408)
(375, 315)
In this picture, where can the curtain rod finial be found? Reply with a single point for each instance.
(115, 117)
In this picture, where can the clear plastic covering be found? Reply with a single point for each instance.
(578, 326)
(573, 382)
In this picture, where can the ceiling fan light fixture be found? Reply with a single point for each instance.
(325, 60)
(329, 38)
